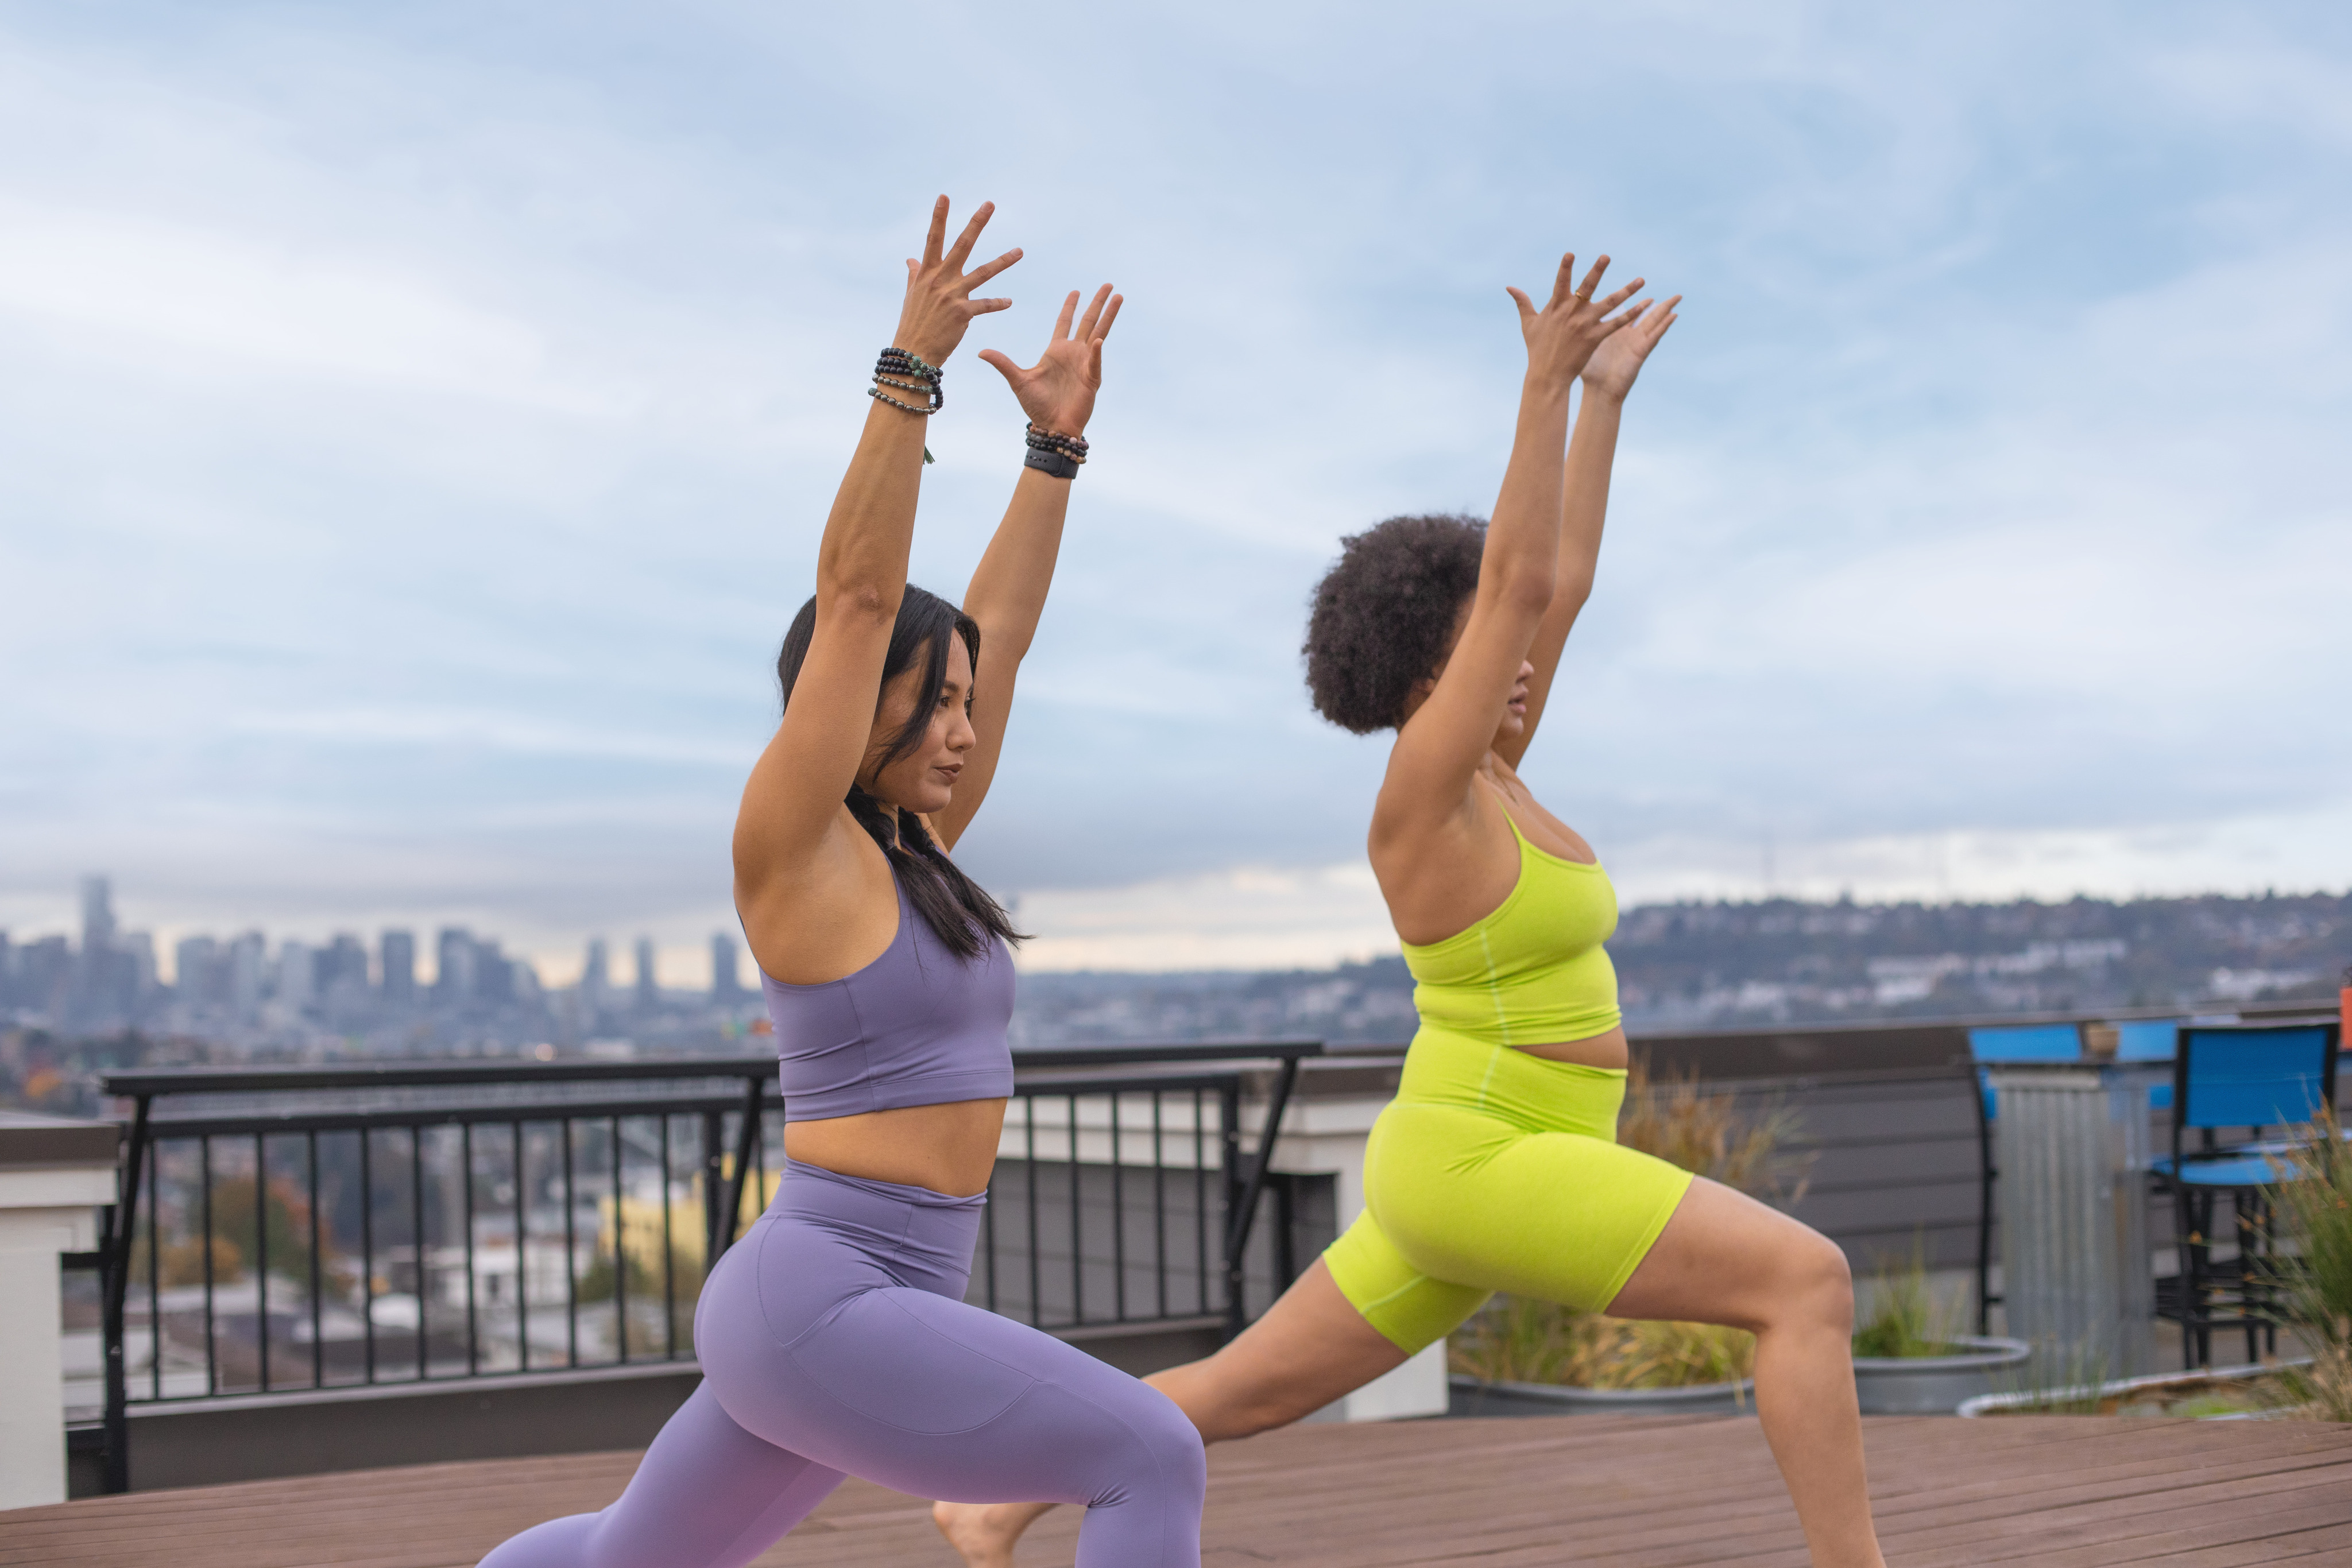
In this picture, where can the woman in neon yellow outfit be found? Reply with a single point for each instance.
(1497, 1167)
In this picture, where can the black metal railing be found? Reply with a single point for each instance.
(309, 1229)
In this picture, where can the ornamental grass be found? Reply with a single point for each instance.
(2317, 1202)
(1906, 1317)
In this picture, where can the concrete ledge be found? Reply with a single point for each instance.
(27, 1140)
(313, 1433)
(264, 1436)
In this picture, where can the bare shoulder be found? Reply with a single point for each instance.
(1442, 875)
(827, 918)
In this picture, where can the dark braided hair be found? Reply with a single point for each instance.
(959, 911)
(1383, 613)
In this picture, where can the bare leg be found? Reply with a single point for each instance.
(1311, 1347)
(1726, 1259)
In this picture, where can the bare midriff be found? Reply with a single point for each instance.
(948, 1148)
(1606, 1050)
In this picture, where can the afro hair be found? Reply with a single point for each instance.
(1382, 616)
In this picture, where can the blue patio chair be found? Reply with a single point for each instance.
(2149, 1040)
(2016, 1042)
(2255, 1077)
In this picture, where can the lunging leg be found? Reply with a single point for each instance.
(1724, 1258)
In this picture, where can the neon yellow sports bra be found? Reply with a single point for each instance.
(1534, 971)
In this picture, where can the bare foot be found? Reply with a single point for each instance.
(984, 1534)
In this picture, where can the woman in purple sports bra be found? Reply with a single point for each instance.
(834, 1337)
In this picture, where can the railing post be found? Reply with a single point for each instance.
(747, 1137)
(119, 1228)
(1229, 1139)
(1242, 1196)
(1977, 1090)
(1276, 1106)
(714, 1175)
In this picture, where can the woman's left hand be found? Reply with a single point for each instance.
(1614, 364)
(1057, 393)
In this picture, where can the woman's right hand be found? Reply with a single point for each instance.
(939, 307)
(1563, 334)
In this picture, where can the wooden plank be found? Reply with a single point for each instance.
(1660, 1493)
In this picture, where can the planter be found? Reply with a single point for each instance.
(2127, 1390)
(1936, 1384)
(1469, 1397)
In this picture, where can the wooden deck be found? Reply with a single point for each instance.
(2056, 1492)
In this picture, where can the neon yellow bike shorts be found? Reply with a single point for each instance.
(1494, 1170)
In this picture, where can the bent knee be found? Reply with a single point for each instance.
(1819, 1282)
(1172, 1443)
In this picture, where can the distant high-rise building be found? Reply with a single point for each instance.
(45, 975)
(453, 955)
(396, 954)
(345, 961)
(138, 949)
(648, 981)
(343, 970)
(245, 966)
(596, 970)
(7, 972)
(297, 974)
(97, 916)
(196, 970)
(494, 974)
(725, 987)
(106, 983)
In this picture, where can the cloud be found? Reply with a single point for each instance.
(1245, 918)
(420, 424)
(169, 288)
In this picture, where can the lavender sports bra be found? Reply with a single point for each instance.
(919, 1026)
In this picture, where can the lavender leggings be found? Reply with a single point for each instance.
(834, 1341)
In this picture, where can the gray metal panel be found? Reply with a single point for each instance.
(2073, 1152)
(1892, 1163)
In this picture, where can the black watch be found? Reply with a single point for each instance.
(1045, 460)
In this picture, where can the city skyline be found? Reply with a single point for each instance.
(1680, 966)
(251, 989)
(717, 966)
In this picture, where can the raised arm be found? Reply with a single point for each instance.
(1008, 589)
(1443, 743)
(1591, 451)
(792, 804)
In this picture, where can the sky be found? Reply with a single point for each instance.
(417, 423)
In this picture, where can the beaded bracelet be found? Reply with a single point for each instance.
(1072, 446)
(908, 373)
(911, 372)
